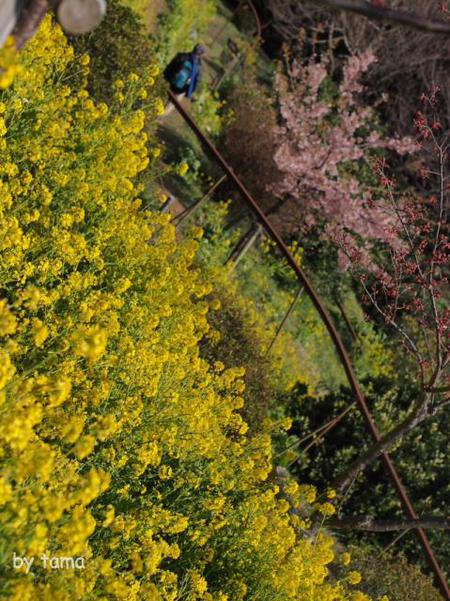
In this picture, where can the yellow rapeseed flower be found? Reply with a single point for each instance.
(354, 577)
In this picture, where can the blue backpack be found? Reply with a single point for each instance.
(181, 79)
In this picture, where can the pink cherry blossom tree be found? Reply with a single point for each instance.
(321, 143)
(394, 242)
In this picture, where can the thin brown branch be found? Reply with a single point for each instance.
(320, 431)
(285, 318)
(370, 525)
(408, 340)
(420, 414)
(439, 355)
(382, 13)
(325, 431)
(189, 210)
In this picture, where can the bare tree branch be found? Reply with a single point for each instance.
(383, 13)
(368, 524)
(365, 522)
(363, 461)
(75, 16)
(29, 21)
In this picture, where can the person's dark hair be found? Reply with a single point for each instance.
(199, 49)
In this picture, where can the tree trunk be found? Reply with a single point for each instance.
(386, 442)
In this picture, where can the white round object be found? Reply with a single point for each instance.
(80, 16)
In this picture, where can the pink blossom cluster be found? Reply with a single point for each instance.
(318, 139)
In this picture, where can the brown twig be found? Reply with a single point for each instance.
(285, 318)
(382, 13)
(369, 525)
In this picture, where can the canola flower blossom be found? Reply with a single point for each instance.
(183, 169)
(9, 65)
(118, 441)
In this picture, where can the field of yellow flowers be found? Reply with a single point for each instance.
(118, 442)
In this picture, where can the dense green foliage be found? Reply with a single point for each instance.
(118, 47)
(389, 573)
(421, 458)
(181, 24)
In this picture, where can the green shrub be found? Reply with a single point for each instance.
(420, 459)
(392, 575)
(210, 113)
(241, 334)
(139, 6)
(118, 47)
(240, 341)
(180, 25)
(249, 141)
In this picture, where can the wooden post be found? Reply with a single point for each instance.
(188, 212)
(285, 318)
(227, 71)
(348, 323)
(223, 27)
(243, 246)
(167, 205)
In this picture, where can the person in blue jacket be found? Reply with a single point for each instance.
(184, 72)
